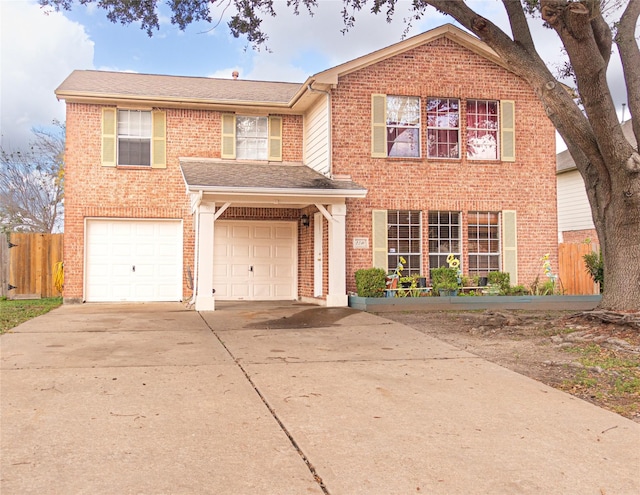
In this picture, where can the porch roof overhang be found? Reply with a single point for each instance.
(264, 184)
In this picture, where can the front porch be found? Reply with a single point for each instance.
(296, 221)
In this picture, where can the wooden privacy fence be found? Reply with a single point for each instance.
(29, 263)
(573, 271)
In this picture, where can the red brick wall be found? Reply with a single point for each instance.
(141, 192)
(445, 69)
(579, 236)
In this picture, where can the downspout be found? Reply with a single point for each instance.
(196, 250)
(328, 94)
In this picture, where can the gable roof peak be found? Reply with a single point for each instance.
(448, 30)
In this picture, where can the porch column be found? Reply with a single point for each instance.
(205, 300)
(337, 296)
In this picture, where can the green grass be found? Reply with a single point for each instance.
(15, 312)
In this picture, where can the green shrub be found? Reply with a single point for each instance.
(501, 279)
(595, 267)
(371, 282)
(444, 278)
(519, 290)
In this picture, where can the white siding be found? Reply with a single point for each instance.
(574, 212)
(316, 131)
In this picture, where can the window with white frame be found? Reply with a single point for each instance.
(134, 137)
(404, 240)
(443, 128)
(252, 138)
(445, 237)
(403, 126)
(484, 242)
(482, 129)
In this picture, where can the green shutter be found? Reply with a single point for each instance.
(109, 126)
(275, 139)
(507, 131)
(159, 140)
(379, 239)
(378, 126)
(510, 245)
(228, 144)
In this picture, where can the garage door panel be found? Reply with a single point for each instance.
(239, 291)
(240, 251)
(283, 233)
(115, 247)
(262, 270)
(240, 232)
(283, 271)
(283, 291)
(240, 271)
(255, 244)
(262, 233)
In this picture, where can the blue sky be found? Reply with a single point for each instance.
(38, 50)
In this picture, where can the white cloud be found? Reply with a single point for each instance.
(38, 52)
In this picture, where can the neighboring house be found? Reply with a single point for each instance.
(575, 222)
(199, 189)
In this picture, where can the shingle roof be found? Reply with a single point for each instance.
(154, 87)
(238, 176)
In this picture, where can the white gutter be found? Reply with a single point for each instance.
(236, 191)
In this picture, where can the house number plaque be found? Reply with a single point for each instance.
(360, 243)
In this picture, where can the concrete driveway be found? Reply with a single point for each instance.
(269, 398)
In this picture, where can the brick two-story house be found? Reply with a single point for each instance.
(200, 189)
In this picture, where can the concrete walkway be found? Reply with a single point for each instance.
(260, 398)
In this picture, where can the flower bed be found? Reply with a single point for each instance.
(382, 304)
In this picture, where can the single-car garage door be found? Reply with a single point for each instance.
(133, 260)
(255, 260)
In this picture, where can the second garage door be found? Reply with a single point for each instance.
(255, 260)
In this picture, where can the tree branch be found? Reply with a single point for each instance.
(519, 26)
(630, 57)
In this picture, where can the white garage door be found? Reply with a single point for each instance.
(133, 260)
(255, 261)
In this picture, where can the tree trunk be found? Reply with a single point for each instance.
(619, 234)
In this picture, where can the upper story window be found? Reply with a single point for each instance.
(482, 130)
(251, 137)
(403, 126)
(134, 137)
(395, 126)
(252, 134)
(443, 128)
